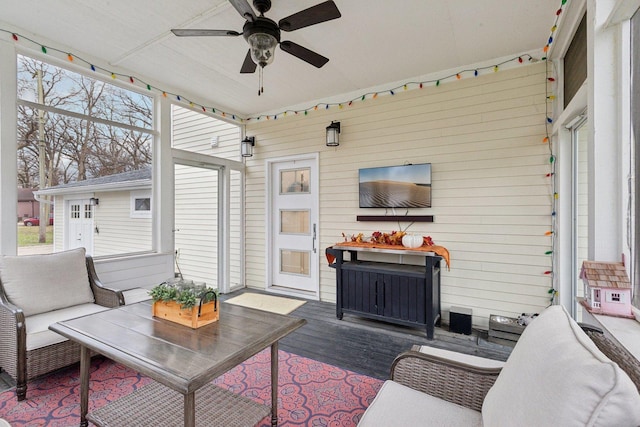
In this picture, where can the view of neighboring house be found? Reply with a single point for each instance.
(112, 215)
(29, 207)
(106, 215)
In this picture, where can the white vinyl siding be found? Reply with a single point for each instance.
(117, 232)
(193, 131)
(196, 196)
(196, 235)
(491, 197)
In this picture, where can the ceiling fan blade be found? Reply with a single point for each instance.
(248, 66)
(194, 33)
(303, 53)
(314, 15)
(244, 9)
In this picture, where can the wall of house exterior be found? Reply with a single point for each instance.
(196, 198)
(117, 232)
(194, 131)
(491, 197)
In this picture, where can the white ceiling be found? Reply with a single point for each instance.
(373, 43)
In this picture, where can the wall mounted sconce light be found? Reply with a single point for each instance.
(246, 146)
(94, 201)
(333, 134)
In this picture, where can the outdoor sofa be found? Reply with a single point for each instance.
(555, 376)
(36, 291)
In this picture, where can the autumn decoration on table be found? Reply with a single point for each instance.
(395, 240)
(401, 238)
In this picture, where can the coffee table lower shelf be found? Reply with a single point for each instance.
(155, 404)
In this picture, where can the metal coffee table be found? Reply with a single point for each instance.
(182, 362)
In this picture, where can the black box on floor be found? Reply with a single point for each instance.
(460, 320)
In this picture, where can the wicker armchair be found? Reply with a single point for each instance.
(21, 355)
(467, 385)
(559, 373)
(625, 360)
(454, 381)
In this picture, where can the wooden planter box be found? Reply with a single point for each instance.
(170, 310)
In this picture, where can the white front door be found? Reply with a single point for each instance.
(79, 225)
(294, 227)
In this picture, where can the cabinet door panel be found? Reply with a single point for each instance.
(360, 291)
(404, 298)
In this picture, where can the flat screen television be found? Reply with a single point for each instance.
(405, 186)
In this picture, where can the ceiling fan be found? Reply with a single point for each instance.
(263, 34)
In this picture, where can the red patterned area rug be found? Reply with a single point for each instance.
(310, 393)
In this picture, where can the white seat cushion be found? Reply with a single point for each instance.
(467, 359)
(38, 333)
(556, 376)
(41, 283)
(396, 405)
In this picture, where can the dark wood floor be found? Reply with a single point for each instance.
(361, 345)
(369, 347)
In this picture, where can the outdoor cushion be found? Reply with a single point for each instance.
(467, 359)
(41, 283)
(401, 406)
(557, 376)
(37, 326)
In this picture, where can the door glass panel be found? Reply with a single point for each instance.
(74, 211)
(294, 262)
(87, 211)
(294, 181)
(294, 222)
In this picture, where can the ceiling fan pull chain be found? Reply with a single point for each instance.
(260, 81)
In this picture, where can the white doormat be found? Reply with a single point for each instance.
(270, 303)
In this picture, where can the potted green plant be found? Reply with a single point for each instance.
(185, 302)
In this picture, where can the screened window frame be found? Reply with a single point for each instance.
(634, 35)
(153, 132)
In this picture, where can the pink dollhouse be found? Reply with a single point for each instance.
(607, 289)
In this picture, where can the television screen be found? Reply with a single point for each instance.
(406, 186)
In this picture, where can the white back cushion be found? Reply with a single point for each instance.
(556, 376)
(41, 283)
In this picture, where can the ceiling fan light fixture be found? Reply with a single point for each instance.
(262, 47)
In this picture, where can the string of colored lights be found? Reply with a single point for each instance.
(392, 91)
(550, 97)
(136, 81)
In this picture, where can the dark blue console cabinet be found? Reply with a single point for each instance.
(397, 293)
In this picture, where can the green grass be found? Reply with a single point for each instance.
(28, 236)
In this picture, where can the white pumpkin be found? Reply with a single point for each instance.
(411, 241)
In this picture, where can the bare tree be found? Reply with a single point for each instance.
(78, 149)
